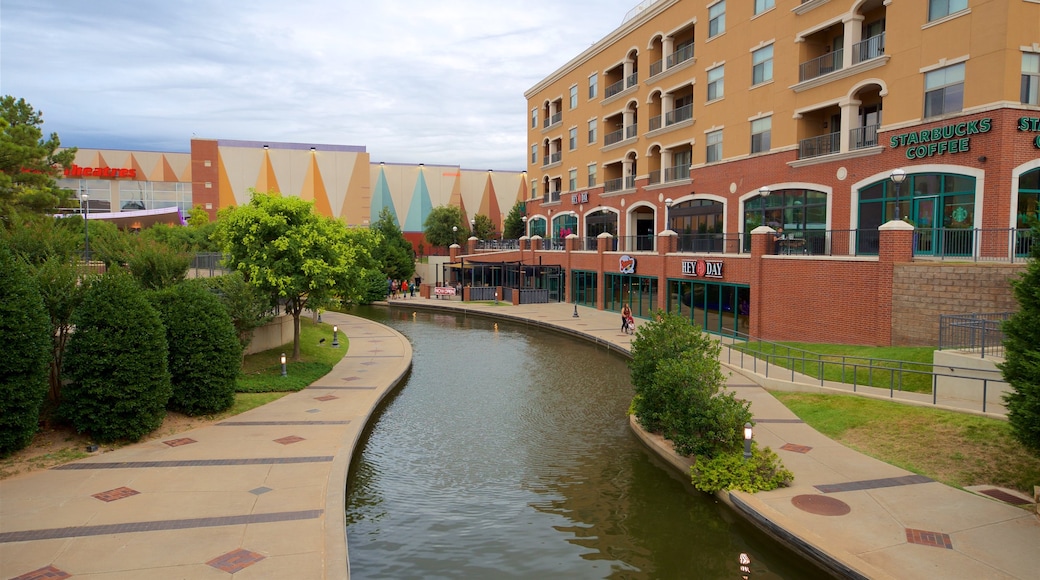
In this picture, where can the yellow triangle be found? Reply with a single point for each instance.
(225, 195)
(267, 182)
(314, 188)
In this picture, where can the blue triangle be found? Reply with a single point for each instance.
(420, 207)
(381, 198)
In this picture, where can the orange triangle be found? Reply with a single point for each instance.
(356, 209)
(162, 171)
(138, 170)
(267, 182)
(225, 195)
(314, 188)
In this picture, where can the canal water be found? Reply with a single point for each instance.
(507, 454)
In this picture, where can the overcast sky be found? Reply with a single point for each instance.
(434, 81)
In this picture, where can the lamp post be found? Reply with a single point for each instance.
(454, 234)
(523, 221)
(335, 336)
(668, 213)
(472, 226)
(283, 364)
(85, 200)
(763, 191)
(748, 434)
(897, 176)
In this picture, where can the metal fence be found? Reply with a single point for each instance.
(975, 332)
(208, 265)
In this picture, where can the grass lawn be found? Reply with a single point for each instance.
(262, 372)
(849, 363)
(954, 448)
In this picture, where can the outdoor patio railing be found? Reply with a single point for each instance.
(977, 333)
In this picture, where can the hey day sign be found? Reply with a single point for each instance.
(702, 268)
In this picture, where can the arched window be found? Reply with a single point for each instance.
(937, 204)
(1028, 208)
(536, 227)
(565, 225)
(795, 210)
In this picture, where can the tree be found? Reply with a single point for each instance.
(204, 352)
(392, 252)
(293, 255)
(483, 228)
(513, 227)
(1021, 366)
(156, 265)
(29, 164)
(198, 216)
(23, 373)
(248, 308)
(116, 362)
(437, 228)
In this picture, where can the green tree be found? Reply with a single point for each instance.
(392, 252)
(483, 228)
(437, 228)
(35, 238)
(204, 352)
(156, 265)
(116, 363)
(198, 216)
(1021, 366)
(248, 308)
(513, 227)
(293, 255)
(29, 164)
(23, 373)
(62, 287)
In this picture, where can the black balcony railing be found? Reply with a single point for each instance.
(862, 137)
(683, 113)
(868, 49)
(614, 88)
(822, 145)
(820, 66)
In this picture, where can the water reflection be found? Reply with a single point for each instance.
(508, 454)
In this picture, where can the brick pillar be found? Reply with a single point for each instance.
(471, 245)
(761, 244)
(604, 243)
(666, 244)
(453, 253)
(895, 245)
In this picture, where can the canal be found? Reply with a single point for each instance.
(507, 453)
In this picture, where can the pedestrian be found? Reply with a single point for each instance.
(404, 288)
(411, 287)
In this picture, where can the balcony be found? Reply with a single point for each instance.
(654, 177)
(632, 80)
(552, 158)
(613, 89)
(613, 137)
(822, 145)
(612, 185)
(684, 113)
(820, 66)
(677, 173)
(549, 122)
(680, 56)
(655, 123)
(863, 137)
(656, 67)
(630, 182)
(631, 131)
(871, 48)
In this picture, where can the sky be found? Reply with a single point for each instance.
(434, 81)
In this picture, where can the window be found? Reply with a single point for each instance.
(592, 131)
(534, 118)
(592, 175)
(574, 97)
(715, 83)
(941, 8)
(534, 154)
(762, 5)
(761, 129)
(572, 180)
(534, 188)
(593, 85)
(573, 140)
(714, 140)
(944, 91)
(762, 65)
(1031, 79)
(717, 19)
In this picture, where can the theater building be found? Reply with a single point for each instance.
(137, 188)
(662, 159)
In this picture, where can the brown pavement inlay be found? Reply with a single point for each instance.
(353, 388)
(46, 573)
(348, 379)
(1005, 497)
(820, 505)
(325, 398)
(873, 483)
(235, 560)
(289, 440)
(778, 421)
(179, 442)
(114, 494)
(369, 363)
(277, 423)
(196, 463)
(796, 448)
(926, 538)
(156, 526)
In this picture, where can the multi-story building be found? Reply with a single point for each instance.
(826, 118)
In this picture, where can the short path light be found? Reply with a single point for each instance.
(283, 364)
(335, 336)
(747, 441)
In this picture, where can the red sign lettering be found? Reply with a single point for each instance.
(102, 172)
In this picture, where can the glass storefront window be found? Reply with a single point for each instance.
(931, 201)
(793, 209)
(717, 308)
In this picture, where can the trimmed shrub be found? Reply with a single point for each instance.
(762, 472)
(204, 352)
(116, 363)
(25, 330)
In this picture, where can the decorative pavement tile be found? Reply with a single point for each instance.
(1005, 497)
(260, 490)
(235, 560)
(820, 505)
(370, 363)
(326, 398)
(313, 411)
(114, 494)
(181, 441)
(926, 538)
(47, 573)
(348, 379)
(873, 483)
(193, 463)
(289, 440)
(376, 350)
(796, 448)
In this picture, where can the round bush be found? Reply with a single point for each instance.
(205, 354)
(116, 362)
(25, 331)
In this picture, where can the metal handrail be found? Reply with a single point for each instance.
(820, 65)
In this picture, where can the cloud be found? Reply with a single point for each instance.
(436, 82)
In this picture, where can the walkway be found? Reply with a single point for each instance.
(259, 495)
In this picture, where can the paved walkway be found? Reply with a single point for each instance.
(261, 495)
